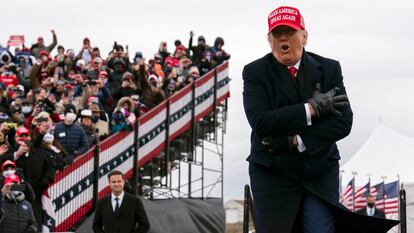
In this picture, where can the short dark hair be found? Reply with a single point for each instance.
(115, 172)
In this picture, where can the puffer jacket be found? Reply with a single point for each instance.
(72, 137)
(18, 217)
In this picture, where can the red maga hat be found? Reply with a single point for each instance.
(22, 130)
(286, 15)
(8, 163)
(12, 178)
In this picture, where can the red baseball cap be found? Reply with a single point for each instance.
(286, 15)
(22, 130)
(8, 163)
(12, 178)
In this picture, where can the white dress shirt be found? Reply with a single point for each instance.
(301, 146)
(113, 201)
(370, 211)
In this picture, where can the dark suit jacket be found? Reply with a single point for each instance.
(378, 213)
(274, 106)
(131, 212)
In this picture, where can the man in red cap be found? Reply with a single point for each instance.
(297, 107)
(16, 213)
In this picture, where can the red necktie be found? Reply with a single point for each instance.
(292, 70)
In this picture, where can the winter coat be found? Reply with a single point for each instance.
(38, 168)
(72, 137)
(91, 134)
(18, 217)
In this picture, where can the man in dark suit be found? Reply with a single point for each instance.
(370, 209)
(119, 212)
(297, 107)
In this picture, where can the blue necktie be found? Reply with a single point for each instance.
(116, 205)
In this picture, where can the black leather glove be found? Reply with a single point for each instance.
(275, 144)
(326, 103)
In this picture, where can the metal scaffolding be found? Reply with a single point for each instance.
(191, 166)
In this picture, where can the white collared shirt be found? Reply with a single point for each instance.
(113, 201)
(370, 211)
(301, 146)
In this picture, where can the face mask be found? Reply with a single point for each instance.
(18, 195)
(26, 109)
(370, 205)
(71, 117)
(8, 173)
(48, 138)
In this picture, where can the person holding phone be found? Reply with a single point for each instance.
(16, 213)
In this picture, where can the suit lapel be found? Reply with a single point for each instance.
(311, 74)
(282, 80)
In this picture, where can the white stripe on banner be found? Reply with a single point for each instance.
(83, 171)
(223, 74)
(151, 124)
(177, 106)
(153, 142)
(116, 149)
(200, 107)
(151, 145)
(74, 204)
(226, 88)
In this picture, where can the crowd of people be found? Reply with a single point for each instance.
(56, 104)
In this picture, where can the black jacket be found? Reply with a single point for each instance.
(18, 217)
(274, 106)
(38, 168)
(130, 214)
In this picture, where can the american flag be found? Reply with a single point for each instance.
(391, 197)
(347, 198)
(378, 191)
(361, 196)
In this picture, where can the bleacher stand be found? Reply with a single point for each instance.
(63, 102)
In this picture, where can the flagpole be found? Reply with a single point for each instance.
(340, 181)
(353, 191)
(398, 192)
(383, 190)
(369, 182)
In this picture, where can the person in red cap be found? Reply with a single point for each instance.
(297, 106)
(8, 168)
(16, 213)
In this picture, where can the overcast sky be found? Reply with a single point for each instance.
(371, 39)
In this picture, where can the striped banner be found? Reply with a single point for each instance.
(72, 190)
(117, 153)
(180, 112)
(151, 133)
